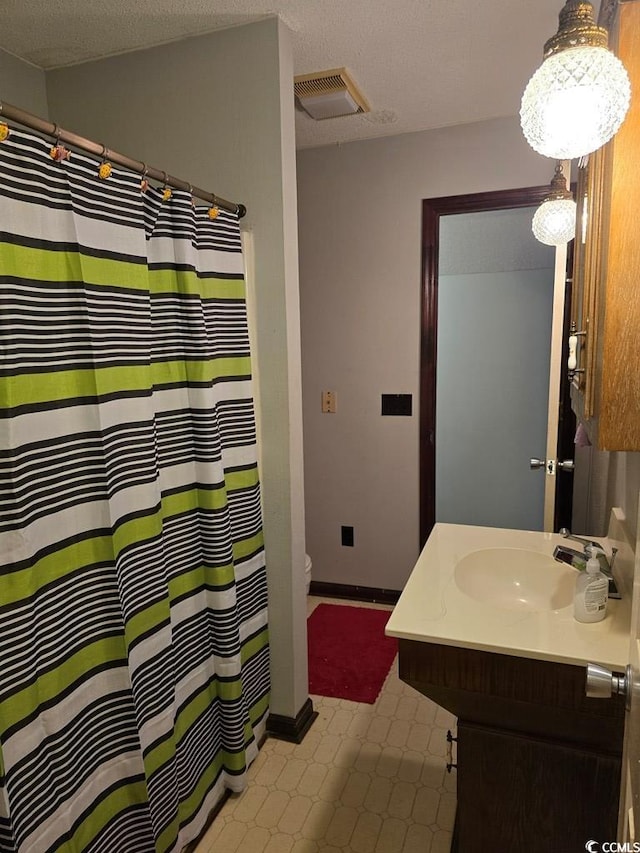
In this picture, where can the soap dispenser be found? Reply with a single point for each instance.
(592, 589)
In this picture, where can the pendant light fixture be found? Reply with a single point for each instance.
(554, 222)
(578, 98)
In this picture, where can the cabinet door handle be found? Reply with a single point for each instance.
(572, 361)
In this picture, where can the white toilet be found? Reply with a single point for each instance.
(307, 571)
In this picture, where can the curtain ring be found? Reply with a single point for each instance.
(144, 183)
(57, 151)
(214, 210)
(105, 169)
(166, 192)
(4, 128)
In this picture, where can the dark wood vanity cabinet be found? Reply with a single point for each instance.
(538, 763)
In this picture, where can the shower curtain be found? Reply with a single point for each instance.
(134, 672)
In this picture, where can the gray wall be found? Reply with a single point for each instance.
(603, 480)
(23, 85)
(360, 253)
(218, 111)
(625, 487)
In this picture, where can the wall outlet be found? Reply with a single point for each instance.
(329, 402)
(347, 536)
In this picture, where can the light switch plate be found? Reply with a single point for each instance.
(329, 402)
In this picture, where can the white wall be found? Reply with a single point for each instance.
(360, 255)
(23, 85)
(217, 111)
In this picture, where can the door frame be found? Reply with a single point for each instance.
(432, 210)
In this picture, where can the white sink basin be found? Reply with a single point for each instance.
(500, 590)
(516, 579)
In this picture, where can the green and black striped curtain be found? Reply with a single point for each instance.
(134, 670)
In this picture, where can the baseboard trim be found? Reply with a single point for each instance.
(292, 729)
(358, 593)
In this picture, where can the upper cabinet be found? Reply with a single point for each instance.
(605, 315)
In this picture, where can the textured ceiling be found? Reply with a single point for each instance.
(420, 63)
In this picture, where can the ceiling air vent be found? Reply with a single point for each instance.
(328, 94)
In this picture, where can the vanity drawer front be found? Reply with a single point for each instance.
(539, 698)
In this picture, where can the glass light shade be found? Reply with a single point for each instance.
(554, 222)
(575, 102)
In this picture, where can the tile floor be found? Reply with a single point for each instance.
(366, 778)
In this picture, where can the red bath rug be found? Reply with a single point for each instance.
(349, 655)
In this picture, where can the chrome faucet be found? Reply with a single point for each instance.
(577, 559)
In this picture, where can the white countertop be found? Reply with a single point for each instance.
(433, 609)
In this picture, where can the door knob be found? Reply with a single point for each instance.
(551, 464)
(603, 684)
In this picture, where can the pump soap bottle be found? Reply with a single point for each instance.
(592, 589)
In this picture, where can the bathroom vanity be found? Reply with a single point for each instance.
(486, 630)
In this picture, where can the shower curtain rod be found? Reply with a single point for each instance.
(12, 113)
